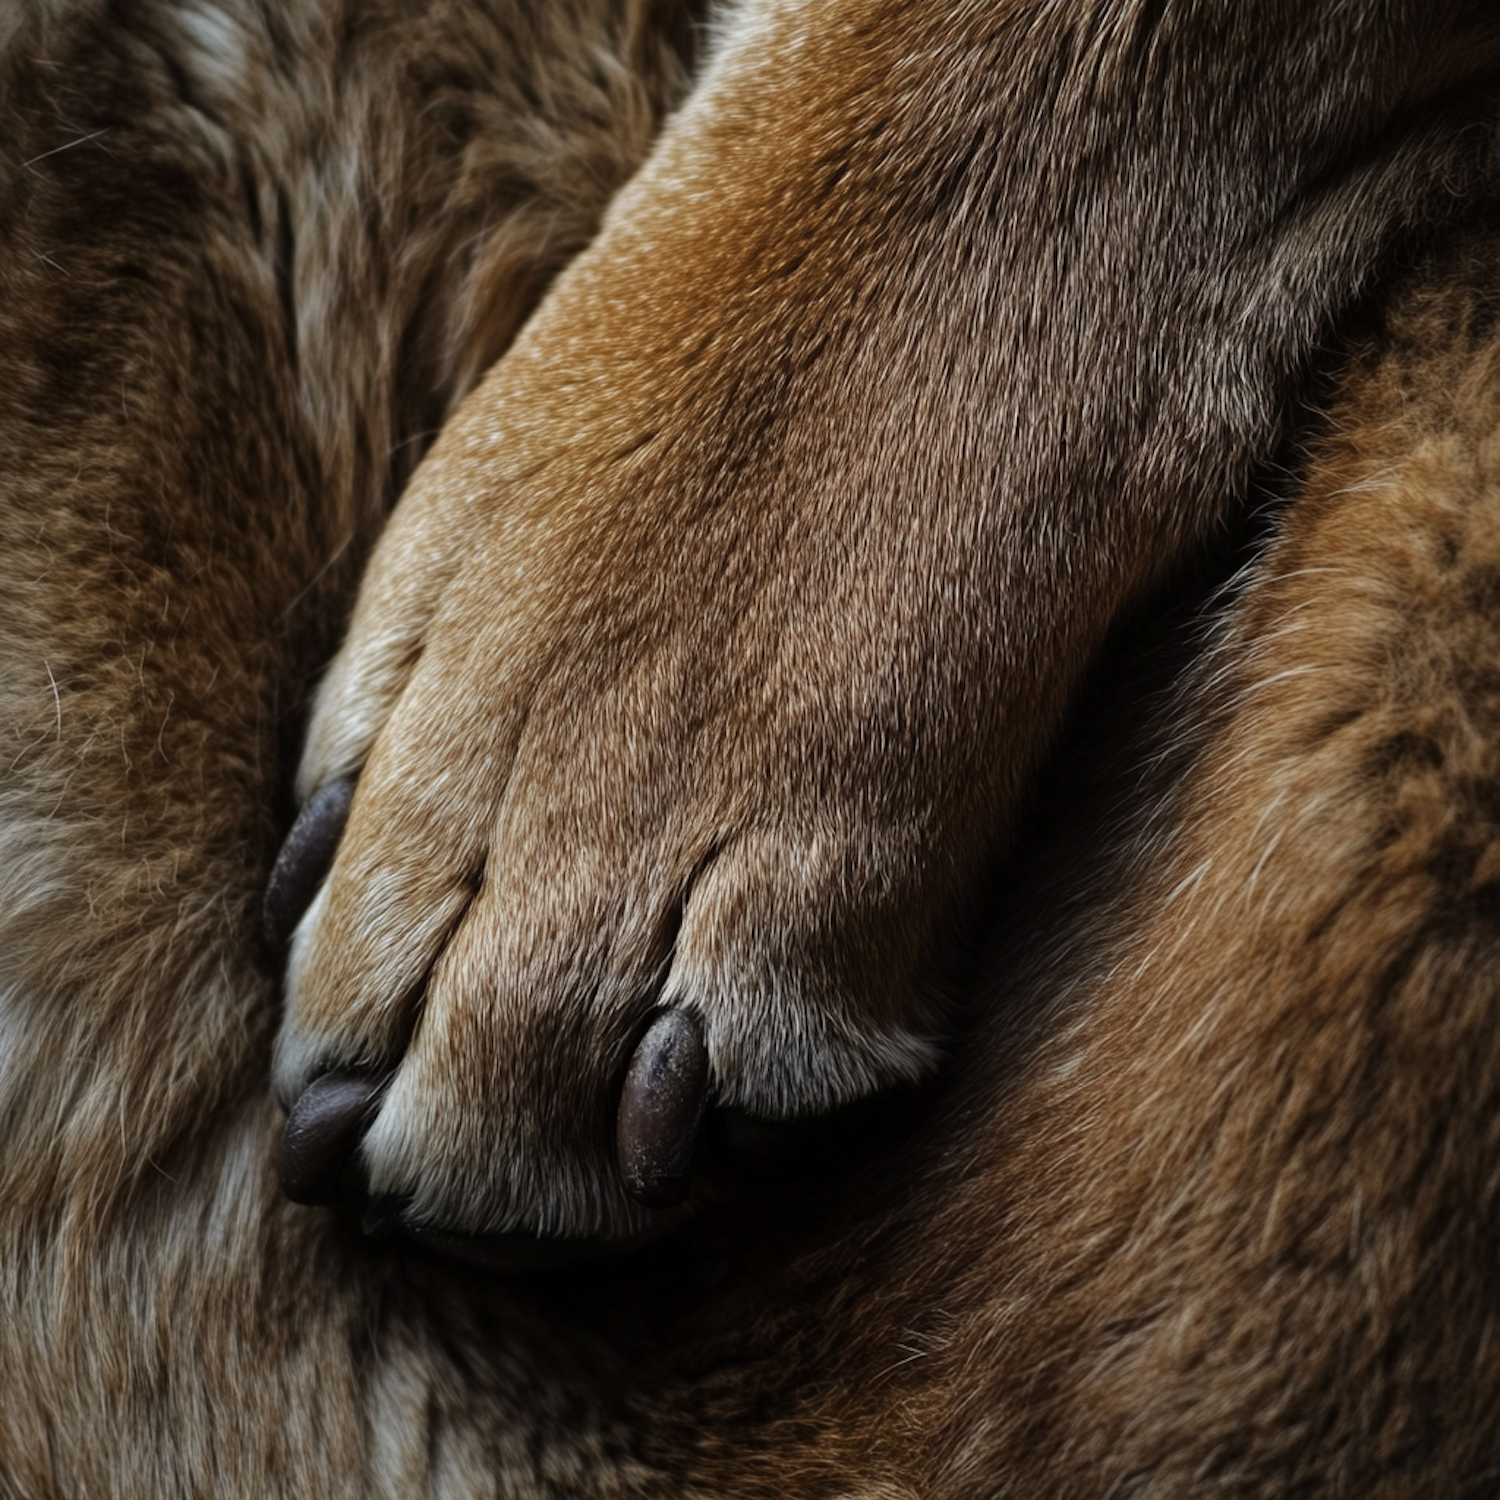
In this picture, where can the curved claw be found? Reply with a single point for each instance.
(322, 1134)
(304, 860)
(661, 1109)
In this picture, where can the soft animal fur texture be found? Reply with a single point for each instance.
(763, 571)
(706, 656)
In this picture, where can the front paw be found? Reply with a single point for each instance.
(682, 696)
(541, 952)
(600, 871)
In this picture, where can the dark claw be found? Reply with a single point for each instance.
(661, 1109)
(304, 860)
(321, 1136)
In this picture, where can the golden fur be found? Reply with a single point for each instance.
(1206, 1199)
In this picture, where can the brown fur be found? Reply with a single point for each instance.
(1208, 1201)
(249, 259)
